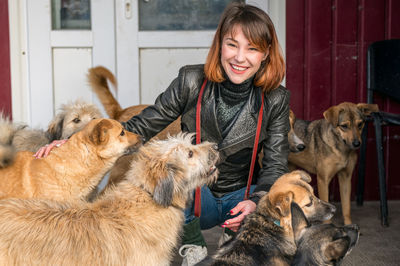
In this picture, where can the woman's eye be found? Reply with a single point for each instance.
(76, 120)
(122, 133)
(253, 49)
(190, 154)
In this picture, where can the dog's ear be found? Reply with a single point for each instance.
(367, 108)
(303, 175)
(99, 133)
(164, 190)
(55, 129)
(332, 115)
(282, 203)
(337, 249)
(299, 220)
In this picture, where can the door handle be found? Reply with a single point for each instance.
(128, 9)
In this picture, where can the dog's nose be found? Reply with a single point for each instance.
(300, 147)
(356, 143)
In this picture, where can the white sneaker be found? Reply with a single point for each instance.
(192, 254)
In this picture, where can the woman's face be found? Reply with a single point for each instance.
(239, 58)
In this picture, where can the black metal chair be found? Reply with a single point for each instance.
(383, 77)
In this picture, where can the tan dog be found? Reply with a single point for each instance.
(266, 236)
(98, 78)
(71, 118)
(136, 223)
(72, 170)
(331, 145)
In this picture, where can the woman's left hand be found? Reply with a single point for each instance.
(245, 207)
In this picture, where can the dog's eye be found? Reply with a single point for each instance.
(190, 154)
(344, 126)
(310, 204)
(360, 125)
(122, 133)
(76, 120)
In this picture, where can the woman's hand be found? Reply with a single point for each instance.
(45, 150)
(245, 207)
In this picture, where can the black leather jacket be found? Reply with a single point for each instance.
(180, 99)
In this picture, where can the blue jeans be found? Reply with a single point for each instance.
(215, 211)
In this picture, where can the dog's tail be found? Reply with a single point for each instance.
(97, 78)
(7, 150)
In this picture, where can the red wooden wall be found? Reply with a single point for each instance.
(326, 44)
(5, 78)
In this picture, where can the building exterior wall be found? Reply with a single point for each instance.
(5, 79)
(326, 44)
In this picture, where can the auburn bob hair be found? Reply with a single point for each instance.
(260, 31)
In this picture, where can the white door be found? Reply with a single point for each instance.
(63, 39)
(144, 42)
(157, 37)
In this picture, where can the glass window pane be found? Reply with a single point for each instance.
(70, 14)
(180, 14)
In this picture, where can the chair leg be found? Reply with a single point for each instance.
(381, 170)
(361, 167)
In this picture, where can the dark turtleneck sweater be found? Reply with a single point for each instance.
(230, 101)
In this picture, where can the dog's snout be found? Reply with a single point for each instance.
(356, 143)
(300, 147)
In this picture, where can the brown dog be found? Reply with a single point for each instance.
(71, 118)
(266, 236)
(72, 170)
(98, 78)
(331, 145)
(136, 223)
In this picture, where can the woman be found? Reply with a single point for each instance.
(243, 66)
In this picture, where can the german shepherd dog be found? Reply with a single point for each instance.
(321, 244)
(266, 236)
(331, 148)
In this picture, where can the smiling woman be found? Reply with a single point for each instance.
(226, 101)
(239, 58)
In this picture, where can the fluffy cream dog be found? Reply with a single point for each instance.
(135, 223)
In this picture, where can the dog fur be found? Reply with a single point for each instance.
(72, 170)
(321, 244)
(331, 148)
(7, 132)
(136, 223)
(266, 236)
(15, 137)
(295, 143)
(98, 78)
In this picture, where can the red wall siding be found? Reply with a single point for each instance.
(5, 77)
(326, 44)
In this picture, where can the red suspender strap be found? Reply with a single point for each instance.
(197, 196)
(254, 156)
